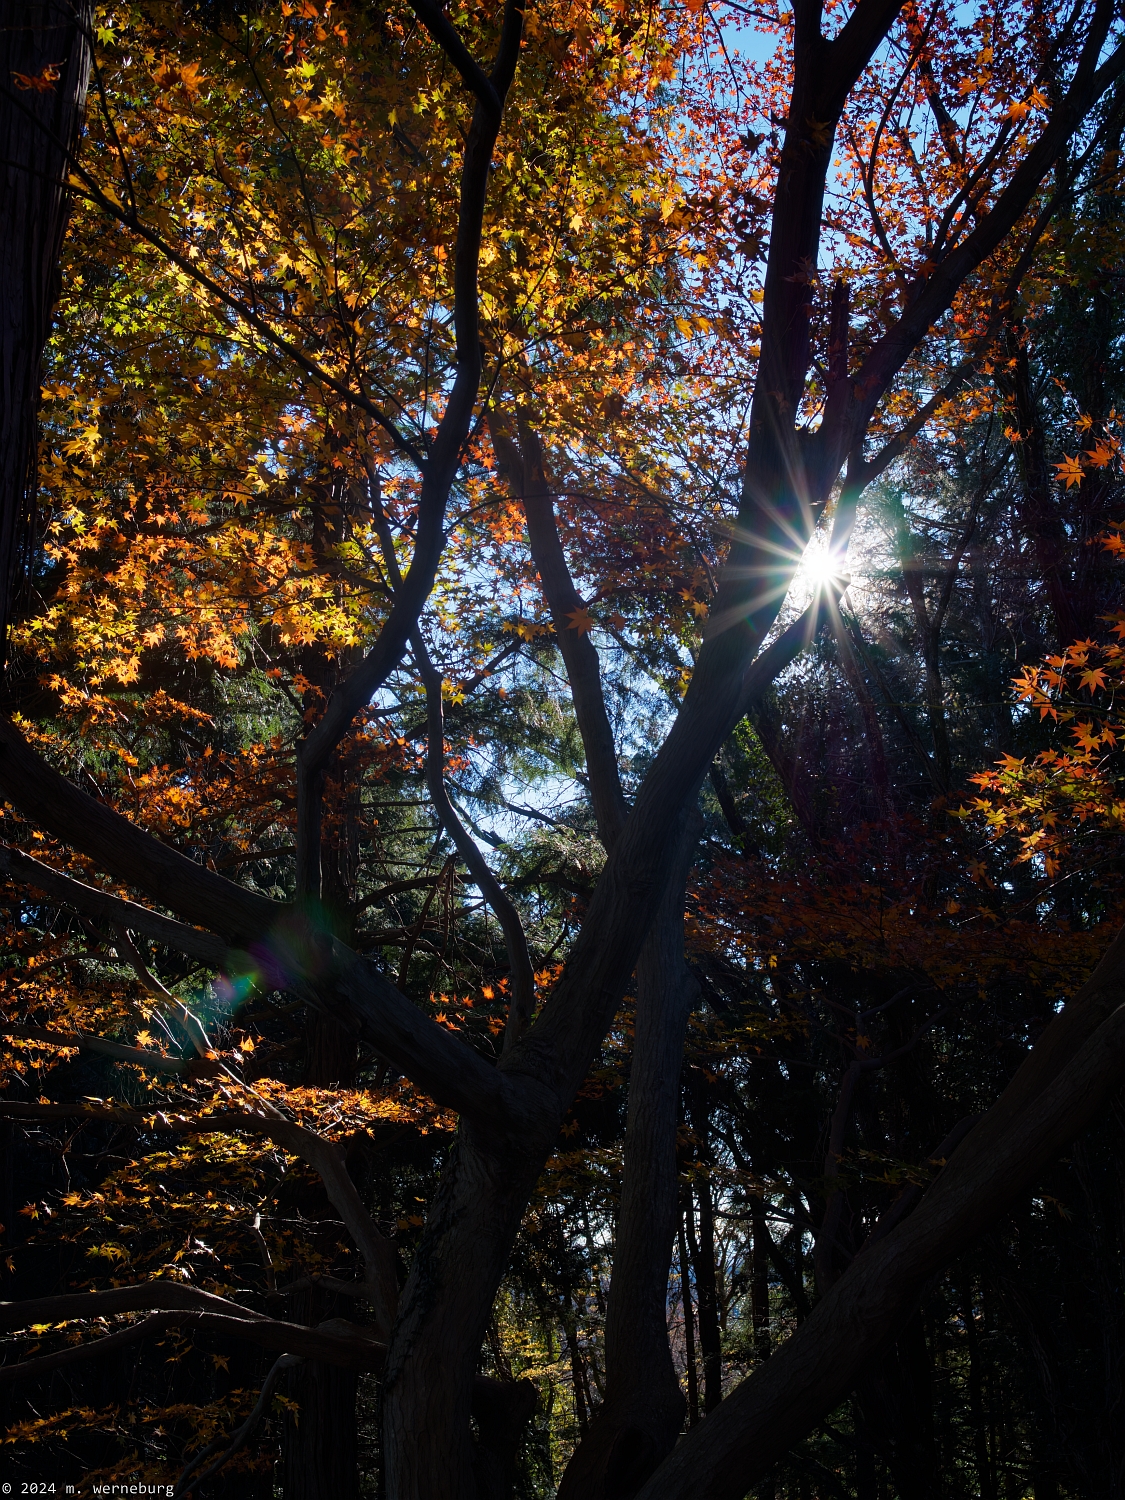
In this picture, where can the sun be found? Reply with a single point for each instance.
(820, 568)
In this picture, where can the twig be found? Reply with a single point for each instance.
(242, 1436)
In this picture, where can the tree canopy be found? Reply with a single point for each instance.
(561, 777)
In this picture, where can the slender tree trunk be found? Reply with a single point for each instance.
(641, 1417)
(44, 70)
(1037, 507)
(689, 1321)
(895, 1398)
(866, 1474)
(760, 1280)
(873, 741)
(702, 1249)
(786, 762)
(929, 631)
(321, 1443)
(986, 1478)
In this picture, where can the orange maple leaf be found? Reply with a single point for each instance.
(581, 620)
(38, 83)
(1070, 471)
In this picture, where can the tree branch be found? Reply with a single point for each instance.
(445, 34)
(85, 1042)
(526, 473)
(125, 851)
(336, 1342)
(519, 960)
(438, 473)
(242, 1436)
(205, 946)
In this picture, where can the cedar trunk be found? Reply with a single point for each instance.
(44, 69)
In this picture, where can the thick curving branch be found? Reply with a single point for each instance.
(170, 1296)
(525, 470)
(337, 1341)
(125, 851)
(439, 1062)
(205, 946)
(446, 35)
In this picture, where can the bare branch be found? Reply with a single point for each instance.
(171, 1296)
(187, 1019)
(336, 1342)
(525, 471)
(327, 1159)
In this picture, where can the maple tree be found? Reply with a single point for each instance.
(378, 373)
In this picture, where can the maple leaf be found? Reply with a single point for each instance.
(1092, 678)
(819, 132)
(1086, 736)
(1100, 456)
(581, 620)
(1070, 471)
(38, 83)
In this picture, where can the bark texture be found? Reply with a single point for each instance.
(44, 69)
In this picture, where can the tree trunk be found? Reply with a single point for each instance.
(1038, 509)
(641, 1416)
(897, 1400)
(320, 1444)
(689, 1320)
(702, 1249)
(44, 69)
(986, 1478)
